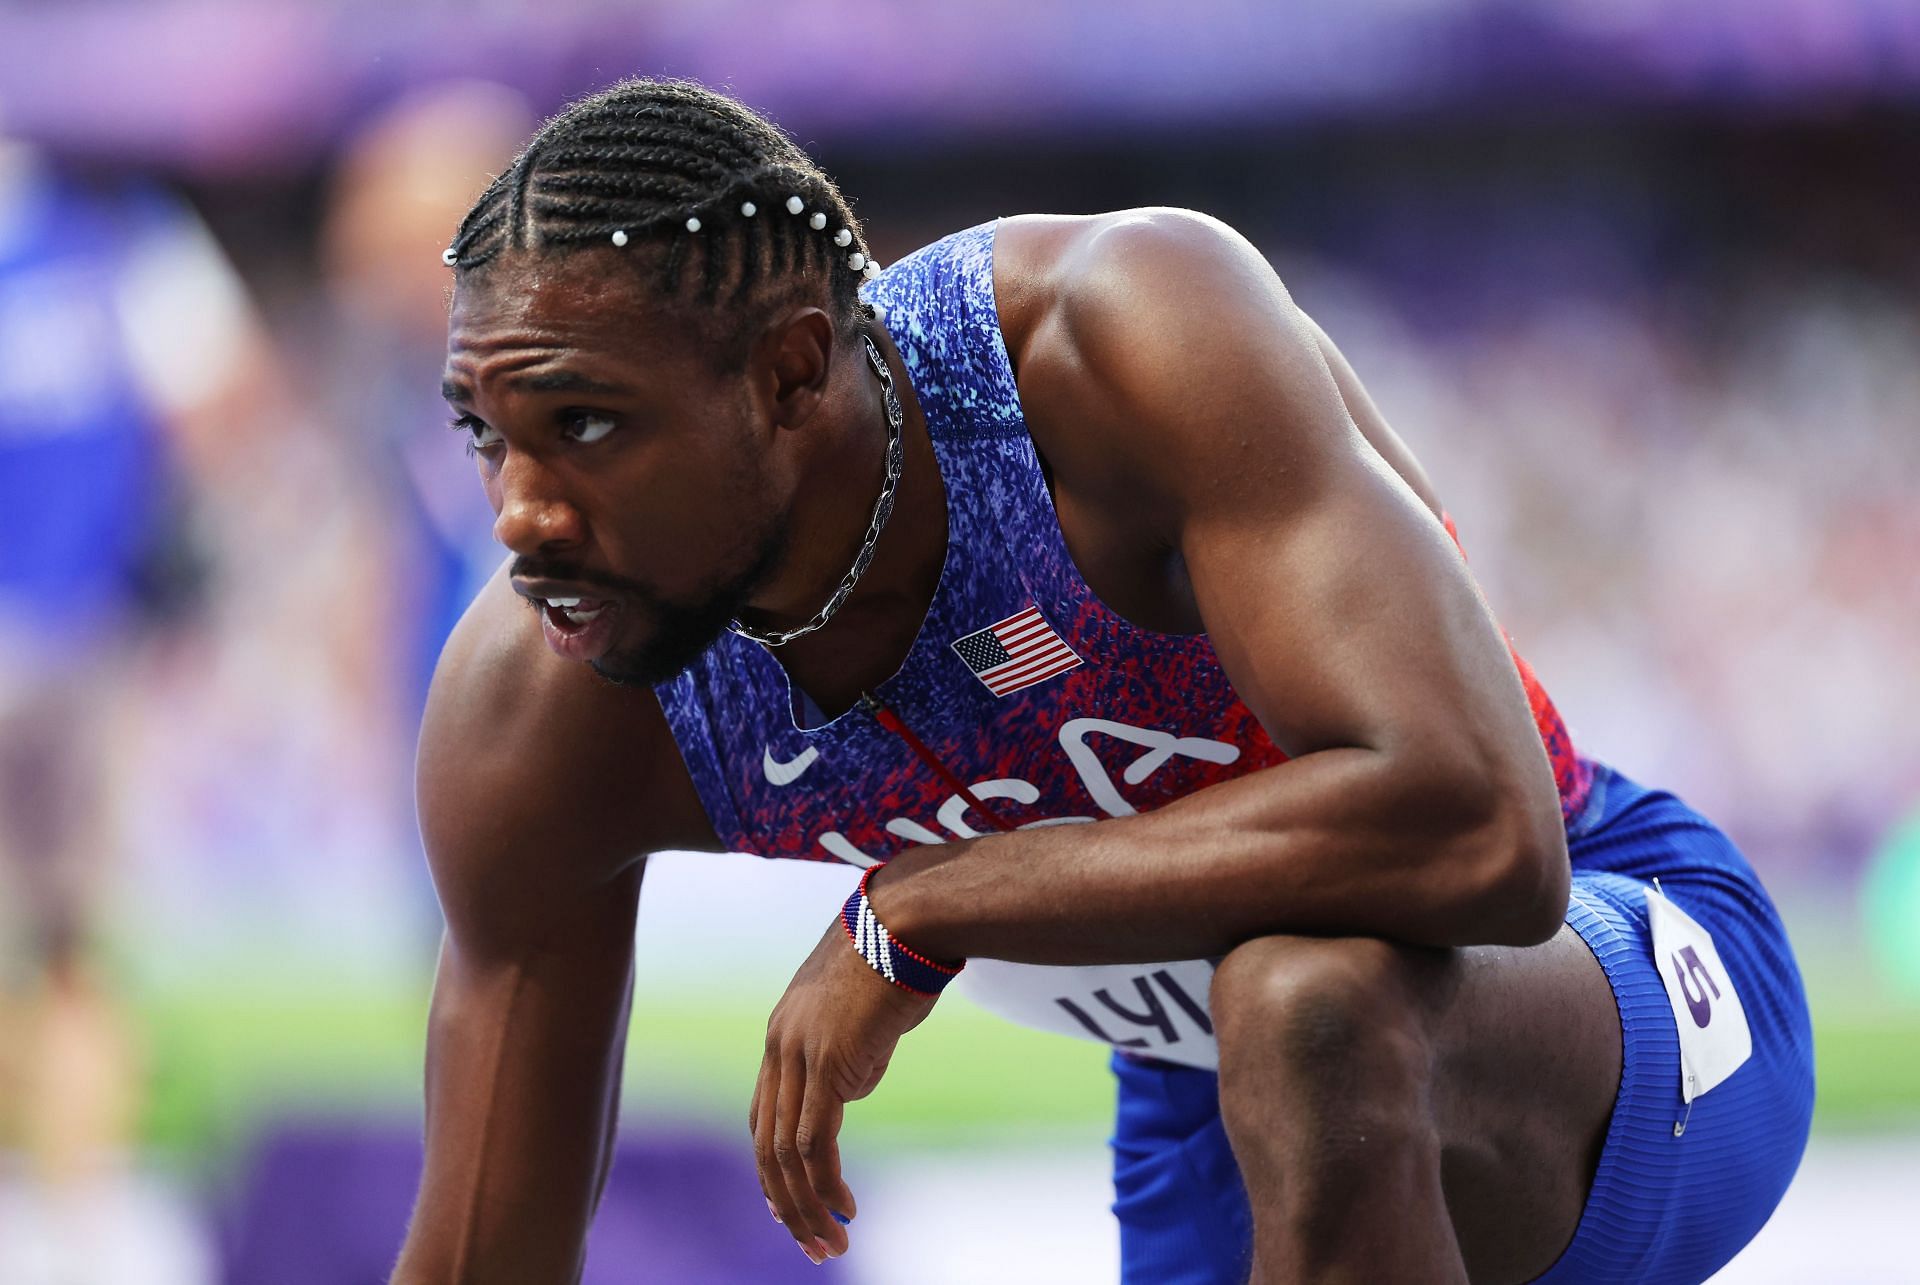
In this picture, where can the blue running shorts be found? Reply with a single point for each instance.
(1665, 1207)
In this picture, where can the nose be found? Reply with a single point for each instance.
(534, 514)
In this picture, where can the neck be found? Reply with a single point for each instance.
(868, 638)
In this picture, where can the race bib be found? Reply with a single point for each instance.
(1158, 1010)
(1714, 1039)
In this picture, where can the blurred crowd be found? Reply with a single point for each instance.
(232, 550)
(1697, 517)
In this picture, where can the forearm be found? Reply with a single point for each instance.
(521, 1107)
(1332, 842)
(610, 1131)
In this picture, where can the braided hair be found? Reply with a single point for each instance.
(674, 167)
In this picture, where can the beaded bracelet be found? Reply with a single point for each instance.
(890, 957)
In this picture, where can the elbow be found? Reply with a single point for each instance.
(1505, 872)
(1521, 879)
(1528, 902)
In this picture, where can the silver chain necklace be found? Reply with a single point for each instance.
(882, 510)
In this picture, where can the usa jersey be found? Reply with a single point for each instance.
(1023, 686)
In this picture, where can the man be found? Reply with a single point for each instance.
(1085, 540)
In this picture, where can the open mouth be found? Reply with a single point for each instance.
(570, 615)
(578, 628)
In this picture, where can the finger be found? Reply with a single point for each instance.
(768, 1067)
(815, 1219)
(784, 1083)
(772, 1185)
(817, 1139)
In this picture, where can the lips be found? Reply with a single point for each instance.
(578, 628)
(577, 625)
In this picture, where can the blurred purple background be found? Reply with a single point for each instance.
(1637, 280)
(223, 86)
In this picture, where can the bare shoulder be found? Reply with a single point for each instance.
(1046, 259)
(1114, 314)
(536, 778)
(1157, 354)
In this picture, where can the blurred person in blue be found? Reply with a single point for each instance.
(406, 175)
(85, 491)
(120, 324)
(1064, 577)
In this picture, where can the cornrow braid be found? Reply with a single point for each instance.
(673, 165)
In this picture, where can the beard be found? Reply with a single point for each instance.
(681, 630)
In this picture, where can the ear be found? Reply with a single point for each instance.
(794, 358)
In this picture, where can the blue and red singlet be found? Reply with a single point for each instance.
(1102, 719)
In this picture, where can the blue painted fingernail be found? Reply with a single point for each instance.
(840, 1218)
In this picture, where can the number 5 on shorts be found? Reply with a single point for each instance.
(1714, 1039)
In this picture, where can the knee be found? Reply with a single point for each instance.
(1312, 1025)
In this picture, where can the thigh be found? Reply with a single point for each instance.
(1524, 1061)
(1526, 1068)
(1508, 1057)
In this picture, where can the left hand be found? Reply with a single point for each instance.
(828, 1043)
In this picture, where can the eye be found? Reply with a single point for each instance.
(587, 427)
(480, 435)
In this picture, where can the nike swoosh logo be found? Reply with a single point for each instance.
(787, 773)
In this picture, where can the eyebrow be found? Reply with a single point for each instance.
(548, 381)
(567, 381)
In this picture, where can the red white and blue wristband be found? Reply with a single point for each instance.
(886, 953)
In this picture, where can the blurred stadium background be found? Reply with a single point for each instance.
(1639, 279)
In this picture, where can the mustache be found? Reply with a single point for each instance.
(549, 569)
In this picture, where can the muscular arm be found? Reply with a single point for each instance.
(1169, 378)
(540, 790)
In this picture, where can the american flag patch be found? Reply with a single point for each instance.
(1016, 652)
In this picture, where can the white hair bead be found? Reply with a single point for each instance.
(856, 261)
(843, 238)
(818, 221)
(748, 209)
(795, 205)
(693, 225)
(871, 271)
(449, 256)
(620, 236)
